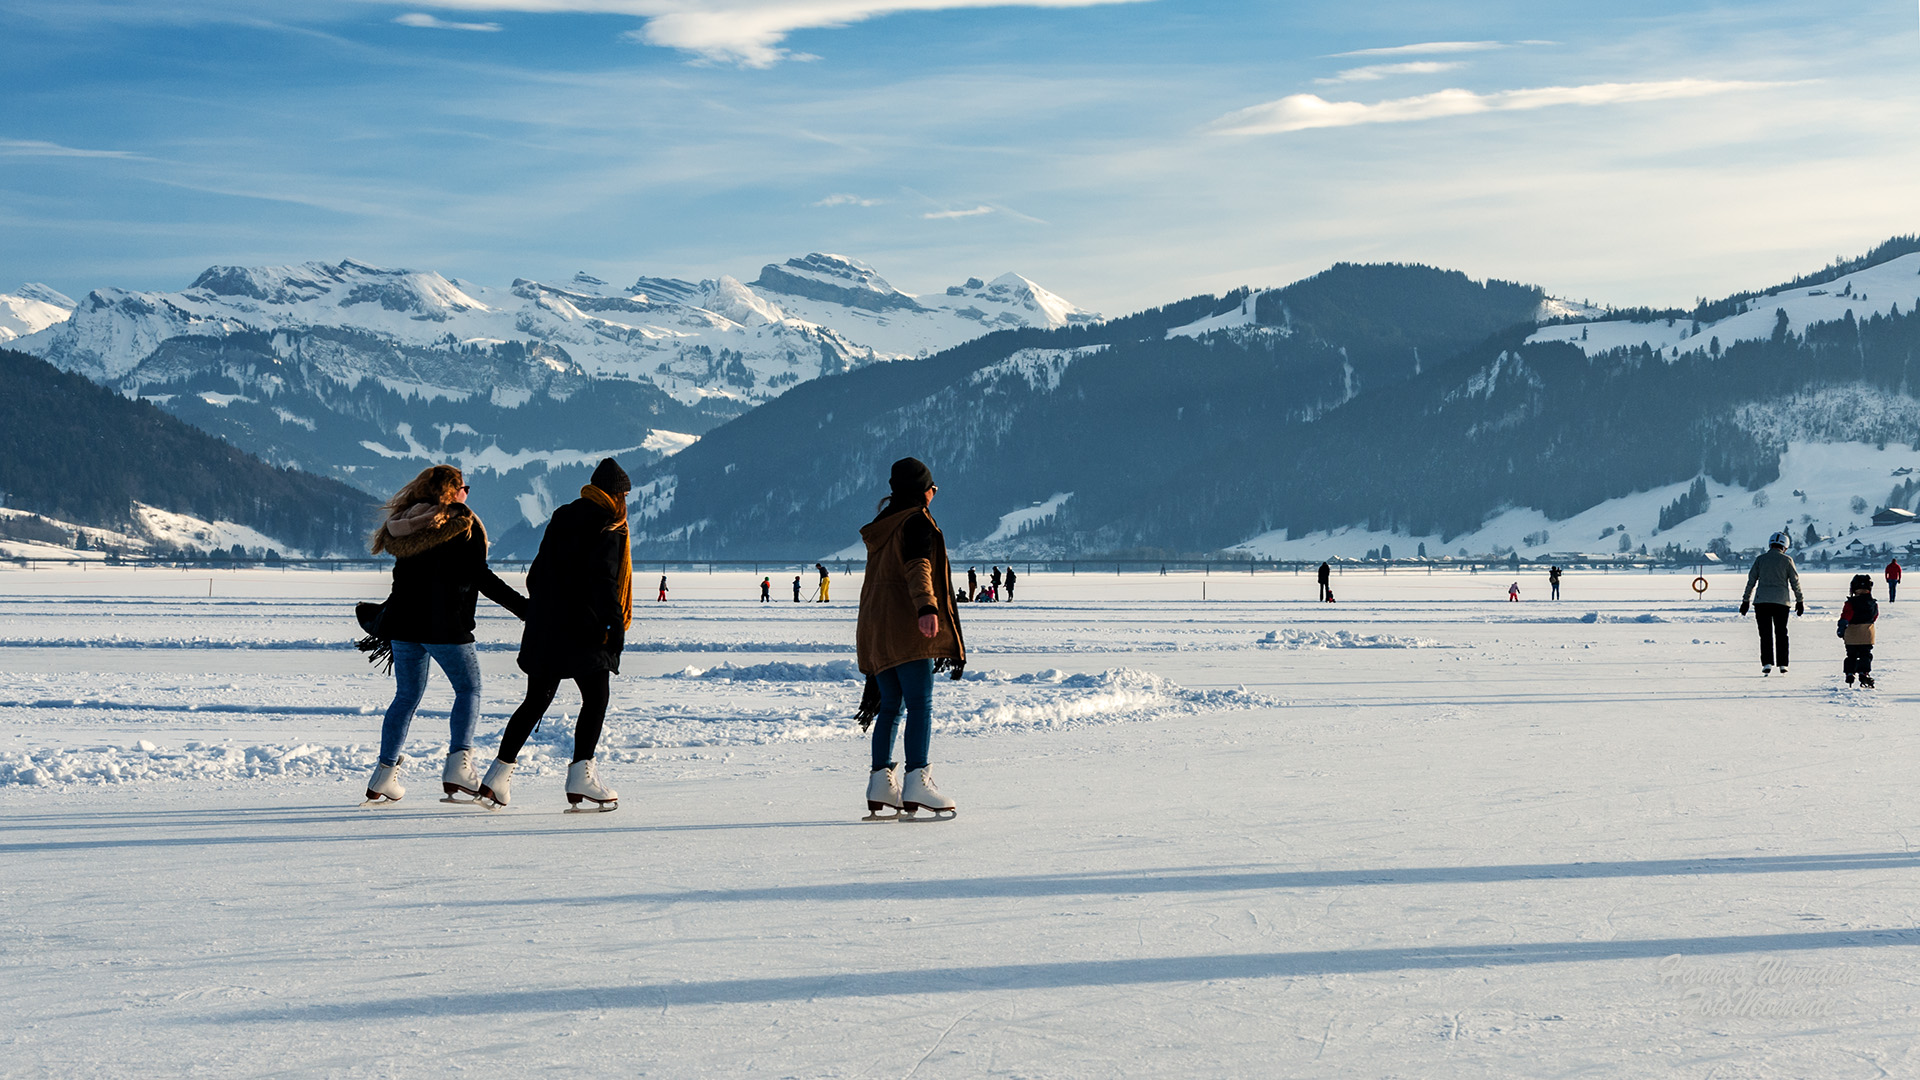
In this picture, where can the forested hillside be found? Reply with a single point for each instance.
(73, 450)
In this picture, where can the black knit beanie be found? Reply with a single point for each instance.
(910, 478)
(609, 477)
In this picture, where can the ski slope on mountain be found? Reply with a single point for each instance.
(1891, 284)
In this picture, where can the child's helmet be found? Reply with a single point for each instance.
(1780, 540)
(1861, 582)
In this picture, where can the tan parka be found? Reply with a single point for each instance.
(894, 591)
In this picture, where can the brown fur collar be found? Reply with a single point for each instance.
(428, 526)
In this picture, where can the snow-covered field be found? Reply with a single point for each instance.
(1422, 832)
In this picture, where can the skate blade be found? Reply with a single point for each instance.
(913, 814)
(378, 800)
(875, 815)
(475, 801)
(607, 807)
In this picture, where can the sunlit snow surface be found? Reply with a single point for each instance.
(1420, 832)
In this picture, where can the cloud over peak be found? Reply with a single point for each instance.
(1299, 112)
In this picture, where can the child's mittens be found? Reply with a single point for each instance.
(1841, 630)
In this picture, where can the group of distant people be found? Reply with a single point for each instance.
(974, 594)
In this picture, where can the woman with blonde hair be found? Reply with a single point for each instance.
(439, 568)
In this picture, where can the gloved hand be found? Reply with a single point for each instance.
(1743, 607)
(1799, 607)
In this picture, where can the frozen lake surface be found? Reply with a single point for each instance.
(1422, 832)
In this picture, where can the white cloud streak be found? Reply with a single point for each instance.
(1375, 72)
(744, 32)
(948, 215)
(847, 200)
(1427, 47)
(1299, 112)
(35, 148)
(428, 22)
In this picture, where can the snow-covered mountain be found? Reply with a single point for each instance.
(31, 309)
(368, 373)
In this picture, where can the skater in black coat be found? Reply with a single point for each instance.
(582, 588)
(1326, 582)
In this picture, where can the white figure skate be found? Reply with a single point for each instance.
(883, 793)
(584, 787)
(496, 789)
(384, 787)
(458, 779)
(918, 793)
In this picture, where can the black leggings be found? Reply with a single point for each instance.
(594, 693)
(1859, 660)
(1773, 633)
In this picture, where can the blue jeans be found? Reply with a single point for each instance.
(909, 684)
(462, 666)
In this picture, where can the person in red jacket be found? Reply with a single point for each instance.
(1893, 580)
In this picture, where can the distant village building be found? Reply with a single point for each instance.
(1892, 516)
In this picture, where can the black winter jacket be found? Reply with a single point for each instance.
(438, 574)
(577, 625)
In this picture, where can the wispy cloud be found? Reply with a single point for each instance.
(749, 33)
(1298, 112)
(846, 200)
(1428, 47)
(428, 22)
(35, 148)
(945, 215)
(1373, 72)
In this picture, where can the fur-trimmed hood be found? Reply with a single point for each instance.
(424, 526)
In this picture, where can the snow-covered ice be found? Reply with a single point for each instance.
(1421, 832)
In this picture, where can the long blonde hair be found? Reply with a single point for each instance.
(435, 484)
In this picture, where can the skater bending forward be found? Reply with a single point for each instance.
(439, 568)
(907, 631)
(1772, 582)
(1857, 617)
(581, 584)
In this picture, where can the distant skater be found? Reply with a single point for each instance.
(1553, 580)
(766, 590)
(796, 588)
(1772, 580)
(820, 594)
(1513, 593)
(908, 630)
(581, 582)
(1857, 618)
(993, 584)
(973, 584)
(662, 598)
(1326, 582)
(1010, 580)
(1893, 582)
(439, 569)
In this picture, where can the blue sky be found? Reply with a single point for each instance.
(1123, 154)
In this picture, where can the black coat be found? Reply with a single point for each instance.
(438, 575)
(577, 623)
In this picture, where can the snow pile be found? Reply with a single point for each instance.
(831, 671)
(1341, 639)
(194, 761)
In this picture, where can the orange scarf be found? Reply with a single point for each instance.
(605, 501)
